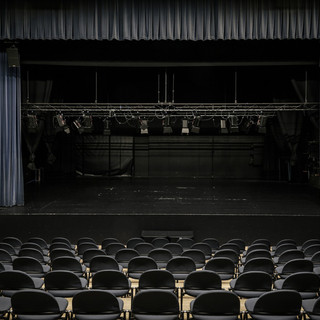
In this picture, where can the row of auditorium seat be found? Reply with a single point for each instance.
(155, 304)
(228, 261)
(207, 280)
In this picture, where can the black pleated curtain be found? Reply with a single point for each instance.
(160, 20)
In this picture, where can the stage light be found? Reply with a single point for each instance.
(185, 128)
(32, 122)
(166, 126)
(261, 123)
(223, 126)
(144, 127)
(78, 126)
(234, 124)
(87, 122)
(106, 127)
(196, 125)
(62, 123)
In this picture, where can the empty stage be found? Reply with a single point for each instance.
(123, 207)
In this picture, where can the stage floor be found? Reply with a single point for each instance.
(170, 196)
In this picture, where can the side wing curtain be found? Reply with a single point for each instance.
(11, 175)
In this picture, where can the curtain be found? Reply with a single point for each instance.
(11, 175)
(159, 20)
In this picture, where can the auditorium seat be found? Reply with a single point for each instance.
(293, 266)
(107, 241)
(112, 281)
(196, 255)
(123, 256)
(155, 305)
(239, 242)
(258, 253)
(157, 279)
(254, 247)
(231, 246)
(9, 248)
(64, 240)
(138, 265)
(180, 267)
(99, 263)
(198, 282)
(251, 284)
(58, 253)
(161, 256)
(89, 254)
(212, 242)
(258, 264)
(275, 305)
(143, 248)
(15, 242)
(132, 242)
(31, 266)
(223, 266)
(37, 304)
(15, 280)
(41, 242)
(159, 242)
(97, 305)
(112, 248)
(63, 283)
(175, 248)
(226, 306)
(306, 283)
(69, 264)
(288, 255)
(186, 243)
(204, 247)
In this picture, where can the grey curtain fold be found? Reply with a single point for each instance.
(160, 20)
(11, 175)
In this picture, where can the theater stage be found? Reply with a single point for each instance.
(123, 207)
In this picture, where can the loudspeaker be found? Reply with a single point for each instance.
(13, 57)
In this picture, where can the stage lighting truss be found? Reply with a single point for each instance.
(162, 110)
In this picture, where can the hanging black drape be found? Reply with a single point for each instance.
(11, 176)
(159, 20)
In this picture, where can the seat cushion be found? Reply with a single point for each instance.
(5, 304)
(250, 303)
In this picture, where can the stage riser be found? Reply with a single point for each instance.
(125, 226)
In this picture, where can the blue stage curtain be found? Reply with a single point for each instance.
(11, 175)
(160, 20)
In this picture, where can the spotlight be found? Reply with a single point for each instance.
(234, 124)
(144, 127)
(106, 127)
(185, 128)
(32, 122)
(166, 126)
(78, 126)
(196, 125)
(261, 123)
(223, 126)
(62, 123)
(87, 122)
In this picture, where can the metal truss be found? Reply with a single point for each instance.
(161, 110)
